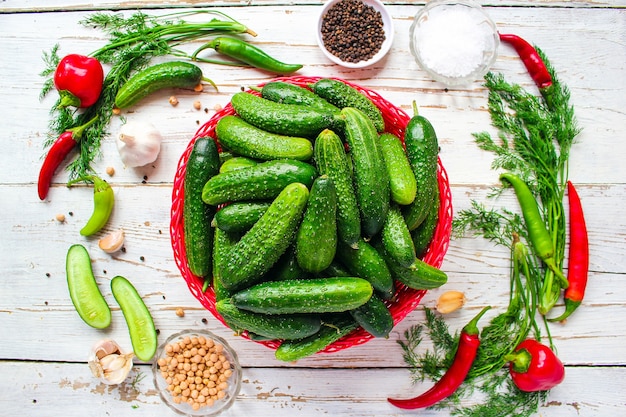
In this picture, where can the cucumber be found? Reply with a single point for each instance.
(336, 269)
(262, 181)
(222, 243)
(422, 148)
(267, 240)
(287, 267)
(277, 326)
(343, 95)
(239, 216)
(143, 335)
(374, 316)
(333, 329)
(284, 92)
(423, 234)
(237, 162)
(367, 263)
(316, 240)
(244, 139)
(402, 181)
(418, 276)
(331, 159)
(284, 119)
(370, 174)
(397, 239)
(175, 74)
(84, 292)
(300, 296)
(203, 163)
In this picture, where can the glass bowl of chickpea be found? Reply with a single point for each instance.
(197, 373)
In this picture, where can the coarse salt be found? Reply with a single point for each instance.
(453, 40)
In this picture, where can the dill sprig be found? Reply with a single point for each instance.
(133, 42)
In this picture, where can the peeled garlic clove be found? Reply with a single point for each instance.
(450, 301)
(108, 363)
(112, 242)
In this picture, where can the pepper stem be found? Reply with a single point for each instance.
(415, 109)
(520, 360)
(77, 132)
(67, 100)
(471, 328)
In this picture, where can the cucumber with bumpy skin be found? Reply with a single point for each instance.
(367, 263)
(262, 181)
(423, 234)
(237, 162)
(343, 95)
(374, 316)
(283, 92)
(239, 216)
(244, 139)
(331, 159)
(396, 238)
(316, 241)
(259, 249)
(418, 276)
(370, 174)
(283, 119)
(203, 163)
(277, 326)
(401, 178)
(301, 296)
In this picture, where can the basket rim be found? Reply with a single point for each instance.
(405, 300)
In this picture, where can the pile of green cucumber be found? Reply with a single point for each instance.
(311, 214)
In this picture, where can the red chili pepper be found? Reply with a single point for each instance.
(455, 375)
(78, 79)
(535, 367)
(534, 64)
(578, 263)
(61, 147)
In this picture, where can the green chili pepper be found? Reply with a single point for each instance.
(103, 199)
(247, 53)
(538, 234)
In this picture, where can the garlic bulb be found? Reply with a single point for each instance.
(112, 242)
(108, 363)
(138, 143)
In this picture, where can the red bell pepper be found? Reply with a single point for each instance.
(79, 80)
(534, 367)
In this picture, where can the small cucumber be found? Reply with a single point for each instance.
(333, 329)
(422, 148)
(316, 240)
(237, 162)
(367, 263)
(401, 178)
(284, 92)
(267, 240)
(331, 159)
(244, 139)
(418, 276)
(343, 95)
(287, 267)
(203, 163)
(284, 119)
(300, 296)
(423, 235)
(222, 242)
(143, 335)
(397, 239)
(276, 326)
(262, 181)
(374, 316)
(336, 269)
(84, 292)
(239, 216)
(175, 74)
(370, 174)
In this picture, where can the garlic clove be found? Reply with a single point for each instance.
(450, 301)
(112, 242)
(108, 363)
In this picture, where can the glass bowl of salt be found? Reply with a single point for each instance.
(455, 42)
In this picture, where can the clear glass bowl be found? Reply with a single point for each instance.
(387, 27)
(455, 42)
(184, 408)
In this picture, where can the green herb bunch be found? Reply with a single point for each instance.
(534, 143)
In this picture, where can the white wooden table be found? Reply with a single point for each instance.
(44, 344)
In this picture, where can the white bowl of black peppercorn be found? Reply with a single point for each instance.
(354, 33)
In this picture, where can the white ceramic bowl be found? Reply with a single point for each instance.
(183, 408)
(455, 42)
(387, 27)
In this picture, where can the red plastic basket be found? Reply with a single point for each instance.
(406, 299)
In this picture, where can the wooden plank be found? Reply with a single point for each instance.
(46, 388)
